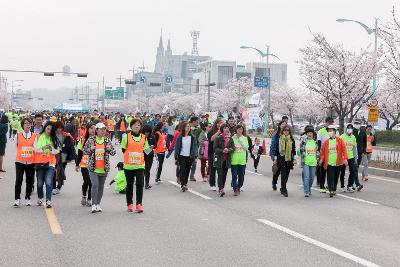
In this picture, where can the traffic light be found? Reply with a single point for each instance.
(48, 73)
(130, 82)
(82, 75)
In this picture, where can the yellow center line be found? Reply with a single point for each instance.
(53, 221)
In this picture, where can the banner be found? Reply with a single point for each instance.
(255, 99)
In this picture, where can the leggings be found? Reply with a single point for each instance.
(130, 179)
(87, 184)
(148, 162)
(160, 158)
(29, 170)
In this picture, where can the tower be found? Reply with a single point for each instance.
(160, 56)
(195, 35)
(168, 51)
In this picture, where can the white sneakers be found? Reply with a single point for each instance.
(17, 203)
(94, 210)
(213, 188)
(98, 208)
(56, 191)
(28, 202)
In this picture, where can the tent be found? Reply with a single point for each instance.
(68, 107)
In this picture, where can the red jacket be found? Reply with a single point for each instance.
(341, 152)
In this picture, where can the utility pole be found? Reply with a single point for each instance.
(104, 95)
(267, 95)
(208, 88)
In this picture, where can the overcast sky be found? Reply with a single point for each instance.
(104, 37)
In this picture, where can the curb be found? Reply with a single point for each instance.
(384, 172)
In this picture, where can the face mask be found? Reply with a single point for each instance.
(357, 126)
(331, 134)
(349, 131)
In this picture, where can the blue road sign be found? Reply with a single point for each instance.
(168, 79)
(261, 81)
(142, 79)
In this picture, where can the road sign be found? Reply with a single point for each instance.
(261, 81)
(373, 114)
(117, 94)
(373, 102)
(142, 79)
(168, 79)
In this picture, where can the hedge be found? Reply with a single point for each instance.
(388, 136)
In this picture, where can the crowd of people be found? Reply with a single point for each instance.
(46, 143)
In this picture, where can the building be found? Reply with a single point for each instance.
(278, 71)
(215, 71)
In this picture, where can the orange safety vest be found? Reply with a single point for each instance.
(161, 144)
(85, 158)
(82, 133)
(25, 148)
(122, 127)
(111, 125)
(370, 138)
(45, 158)
(99, 155)
(134, 155)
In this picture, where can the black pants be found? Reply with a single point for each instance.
(148, 162)
(120, 134)
(275, 176)
(130, 179)
(60, 182)
(160, 157)
(111, 135)
(333, 177)
(359, 159)
(9, 132)
(222, 173)
(256, 161)
(29, 170)
(212, 170)
(185, 163)
(321, 177)
(284, 168)
(87, 184)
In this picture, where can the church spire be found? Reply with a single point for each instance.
(168, 52)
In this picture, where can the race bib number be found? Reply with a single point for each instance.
(238, 148)
(99, 154)
(26, 152)
(85, 159)
(349, 144)
(332, 148)
(311, 151)
(135, 158)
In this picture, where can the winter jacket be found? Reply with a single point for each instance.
(272, 148)
(91, 161)
(219, 146)
(281, 159)
(341, 152)
(193, 147)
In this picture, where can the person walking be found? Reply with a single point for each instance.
(256, 152)
(273, 153)
(185, 152)
(46, 150)
(148, 154)
(3, 139)
(170, 129)
(211, 136)
(239, 158)
(309, 158)
(133, 145)
(81, 162)
(203, 152)
(160, 148)
(24, 162)
(285, 160)
(99, 149)
(366, 156)
(196, 130)
(322, 136)
(223, 147)
(333, 155)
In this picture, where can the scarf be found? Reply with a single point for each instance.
(226, 141)
(285, 147)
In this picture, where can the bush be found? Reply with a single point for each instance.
(388, 137)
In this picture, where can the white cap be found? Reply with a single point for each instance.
(334, 127)
(100, 125)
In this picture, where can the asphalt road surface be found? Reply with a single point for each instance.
(198, 228)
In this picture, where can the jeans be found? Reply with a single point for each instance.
(97, 181)
(45, 176)
(29, 170)
(365, 159)
(87, 184)
(160, 158)
(130, 180)
(308, 177)
(193, 168)
(333, 177)
(237, 176)
(222, 173)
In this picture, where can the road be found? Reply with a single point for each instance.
(198, 228)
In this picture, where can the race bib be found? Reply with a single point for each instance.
(311, 151)
(349, 144)
(26, 152)
(135, 158)
(238, 148)
(99, 154)
(332, 148)
(85, 159)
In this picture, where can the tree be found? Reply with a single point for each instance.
(285, 100)
(341, 77)
(311, 107)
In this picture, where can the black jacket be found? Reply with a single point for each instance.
(219, 146)
(281, 159)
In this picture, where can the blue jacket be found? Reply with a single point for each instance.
(272, 148)
(193, 147)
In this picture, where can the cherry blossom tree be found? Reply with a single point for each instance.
(341, 77)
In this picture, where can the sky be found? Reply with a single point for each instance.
(108, 38)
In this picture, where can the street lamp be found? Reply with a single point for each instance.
(268, 92)
(369, 31)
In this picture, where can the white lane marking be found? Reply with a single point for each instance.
(319, 244)
(191, 191)
(256, 173)
(352, 198)
(383, 179)
(374, 168)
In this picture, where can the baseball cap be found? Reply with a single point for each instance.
(100, 125)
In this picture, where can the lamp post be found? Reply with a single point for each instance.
(369, 31)
(268, 89)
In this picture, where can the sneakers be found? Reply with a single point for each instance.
(17, 203)
(56, 191)
(28, 202)
(349, 190)
(274, 187)
(360, 187)
(285, 193)
(323, 190)
(94, 209)
(158, 181)
(148, 186)
(255, 170)
(192, 179)
(213, 188)
(331, 194)
(221, 192)
(83, 201)
(184, 188)
(205, 179)
(89, 203)
(98, 208)
(139, 208)
(236, 192)
(130, 208)
(365, 178)
(344, 190)
(48, 204)
(306, 195)
(40, 202)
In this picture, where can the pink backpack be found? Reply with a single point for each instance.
(205, 144)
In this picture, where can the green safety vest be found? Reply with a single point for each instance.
(310, 153)
(351, 142)
(120, 181)
(332, 152)
(238, 157)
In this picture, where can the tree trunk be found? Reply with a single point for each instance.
(291, 118)
(341, 123)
